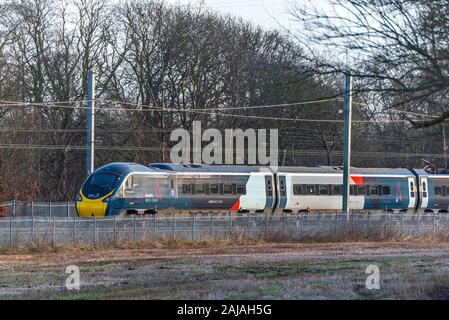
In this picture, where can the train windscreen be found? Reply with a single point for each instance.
(99, 185)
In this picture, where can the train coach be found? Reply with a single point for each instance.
(320, 189)
(130, 188)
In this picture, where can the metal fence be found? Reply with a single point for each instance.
(39, 209)
(59, 230)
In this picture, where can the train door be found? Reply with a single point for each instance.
(281, 193)
(172, 185)
(424, 192)
(270, 195)
(172, 182)
(412, 193)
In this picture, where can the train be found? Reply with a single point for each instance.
(123, 188)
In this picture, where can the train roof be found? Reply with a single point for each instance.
(339, 170)
(245, 169)
(200, 167)
(123, 168)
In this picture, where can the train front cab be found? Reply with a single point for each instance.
(95, 194)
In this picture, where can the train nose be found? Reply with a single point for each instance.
(91, 207)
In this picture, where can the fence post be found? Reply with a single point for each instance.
(401, 222)
(154, 225)
(283, 222)
(32, 228)
(115, 229)
(266, 221)
(32, 208)
(369, 223)
(318, 221)
(10, 231)
(336, 222)
(13, 208)
(95, 229)
(249, 223)
(134, 228)
(302, 223)
(74, 228)
(173, 226)
(230, 222)
(54, 232)
(68, 209)
(434, 223)
(211, 231)
(417, 221)
(193, 227)
(386, 221)
(49, 209)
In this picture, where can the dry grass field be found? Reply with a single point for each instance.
(234, 268)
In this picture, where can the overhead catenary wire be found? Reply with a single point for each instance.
(299, 152)
(207, 111)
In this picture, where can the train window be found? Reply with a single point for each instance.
(351, 190)
(227, 189)
(269, 189)
(336, 189)
(281, 184)
(129, 184)
(310, 189)
(386, 191)
(361, 190)
(213, 188)
(323, 189)
(297, 189)
(424, 189)
(438, 191)
(186, 189)
(241, 189)
(374, 190)
(200, 189)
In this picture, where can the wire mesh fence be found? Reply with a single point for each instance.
(21, 230)
(39, 209)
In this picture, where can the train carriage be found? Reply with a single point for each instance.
(129, 188)
(320, 189)
(205, 188)
(434, 191)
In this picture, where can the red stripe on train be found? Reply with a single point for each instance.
(236, 205)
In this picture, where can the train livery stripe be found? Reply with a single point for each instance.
(236, 205)
(357, 180)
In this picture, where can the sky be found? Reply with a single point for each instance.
(267, 13)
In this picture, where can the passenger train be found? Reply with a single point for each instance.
(130, 188)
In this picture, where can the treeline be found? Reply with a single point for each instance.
(190, 62)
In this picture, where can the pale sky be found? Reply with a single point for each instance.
(261, 12)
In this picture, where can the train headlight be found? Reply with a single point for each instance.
(107, 199)
(78, 197)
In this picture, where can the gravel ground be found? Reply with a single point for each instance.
(266, 271)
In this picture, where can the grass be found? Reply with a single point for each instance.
(330, 273)
(234, 239)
